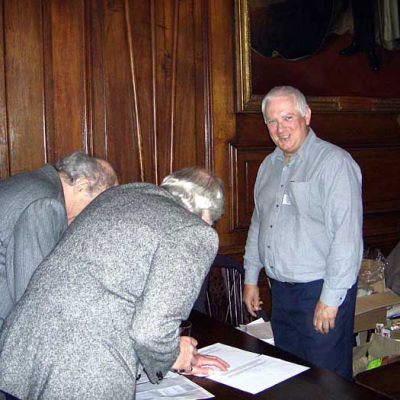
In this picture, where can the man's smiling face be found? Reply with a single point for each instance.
(287, 127)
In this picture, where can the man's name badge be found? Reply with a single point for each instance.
(286, 200)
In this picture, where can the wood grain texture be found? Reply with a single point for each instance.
(126, 80)
(4, 160)
(151, 86)
(23, 83)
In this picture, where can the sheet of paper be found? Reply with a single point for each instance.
(173, 386)
(260, 329)
(249, 371)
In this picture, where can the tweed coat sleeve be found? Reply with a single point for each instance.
(36, 233)
(178, 269)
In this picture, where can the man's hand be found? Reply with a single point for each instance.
(324, 317)
(186, 357)
(251, 297)
(189, 362)
(202, 363)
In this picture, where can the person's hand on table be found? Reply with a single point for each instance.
(188, 350)
(189, 362)
(251, 297)
(203, 365)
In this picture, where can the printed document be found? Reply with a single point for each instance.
(250, 372)
(173, 386)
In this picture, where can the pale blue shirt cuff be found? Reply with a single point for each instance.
(332, 297)
(251, 276)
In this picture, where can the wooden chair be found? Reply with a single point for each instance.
(224, 292)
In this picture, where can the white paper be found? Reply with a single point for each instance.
(260, 329)
(250, 372)
(173, 386)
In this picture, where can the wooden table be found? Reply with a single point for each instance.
(385, 379)
(313, 384)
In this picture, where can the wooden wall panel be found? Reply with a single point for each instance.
(381, 171)
(244, 162)
(179, 69)
(126, 80)
(69, 76)
(141, 16)
(186, 148)
(122, 129)
(23, 82)
(4, 166)
(221, 56)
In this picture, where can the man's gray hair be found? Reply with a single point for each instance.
(79, 165)
(301, 102)
(198, 189)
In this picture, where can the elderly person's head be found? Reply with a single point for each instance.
(199, 190)
(282, 91)
(287, 116)
(83, 178)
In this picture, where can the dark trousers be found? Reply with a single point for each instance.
(8, 396)
(292, 315)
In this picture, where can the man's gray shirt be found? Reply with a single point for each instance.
(307, 220)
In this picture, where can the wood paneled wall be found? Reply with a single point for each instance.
(150, 86)
(124, 80)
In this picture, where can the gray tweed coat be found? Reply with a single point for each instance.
(108, 300)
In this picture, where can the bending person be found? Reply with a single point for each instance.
(35, 210)
(108, 301)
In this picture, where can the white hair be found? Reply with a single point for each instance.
(301, 102)
(198, 189)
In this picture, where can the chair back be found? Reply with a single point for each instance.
(224, 294)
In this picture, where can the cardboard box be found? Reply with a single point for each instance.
(378, 287)
(372, 309)
(377, 347)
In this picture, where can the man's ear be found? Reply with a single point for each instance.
(308, 116)
(206, 217)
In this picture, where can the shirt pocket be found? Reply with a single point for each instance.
(299, 193)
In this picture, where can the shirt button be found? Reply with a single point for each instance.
(272, 267)
(268, 247)
(270, 226)
(281, 185)
(277, 205)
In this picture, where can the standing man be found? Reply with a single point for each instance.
(108, 301)
(306, 231)
(35, 209)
